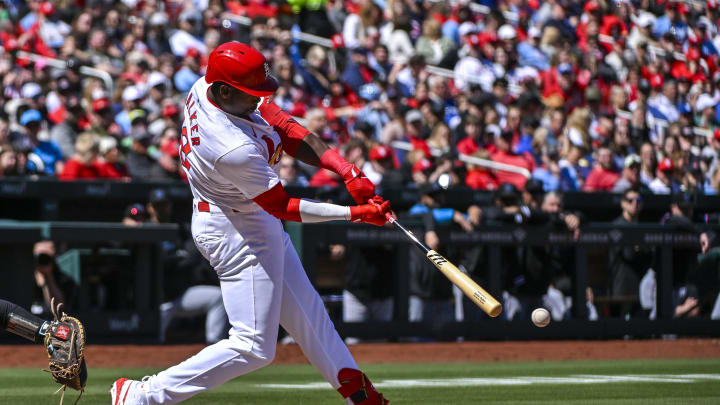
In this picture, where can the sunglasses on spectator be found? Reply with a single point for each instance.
(633, 200)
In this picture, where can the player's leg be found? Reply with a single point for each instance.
(304, 316)
(19, 321)
(250, 272)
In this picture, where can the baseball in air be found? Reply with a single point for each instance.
(540, 317)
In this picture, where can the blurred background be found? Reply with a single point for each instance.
(564, 154)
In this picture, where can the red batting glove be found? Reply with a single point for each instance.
(358, 185)
(370, 213)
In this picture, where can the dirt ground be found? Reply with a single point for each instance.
(163, 356)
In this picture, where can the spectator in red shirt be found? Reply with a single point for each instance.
(471, 142)
(83, 164)
(604, 175)
(112, 167)
(479, 177)
(503, 154)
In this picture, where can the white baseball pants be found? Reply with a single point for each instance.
(263, 285)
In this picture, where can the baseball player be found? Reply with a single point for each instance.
(231, 144)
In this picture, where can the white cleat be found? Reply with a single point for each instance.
(127, 392)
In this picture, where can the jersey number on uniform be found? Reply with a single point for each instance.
(185, 147)
(275, 153)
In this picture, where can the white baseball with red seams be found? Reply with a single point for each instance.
(261, 277)
(540, 317)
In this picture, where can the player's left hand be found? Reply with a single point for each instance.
(372, 213)
(358, 185)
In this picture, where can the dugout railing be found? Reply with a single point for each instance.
(43, 199)
(135, 253)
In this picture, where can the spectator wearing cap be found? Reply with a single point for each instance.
(664, 183)
(44, 157)
(141, 154)
(156, 37)
(630, 177)
(604, 175)
(374, 112)
(503, 153)
(112, 167)
(627, 263)
(529, 53)
(414, 131)
(33, 94)
(186, 38)
(156, 88)
(358, 71)
(705, 111)
(421, 168)
(641, 31)
(189, 73)
(168, 152)
(671, 21)
(532, 194)
(380, 163)
(132, 97)
(65, 133)
(100, 117)
(666, 101)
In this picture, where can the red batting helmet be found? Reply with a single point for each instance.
(241, 66)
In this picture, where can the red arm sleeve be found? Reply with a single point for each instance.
(289, 130)
(279, 204)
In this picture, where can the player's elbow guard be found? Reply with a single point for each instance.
(279, 204)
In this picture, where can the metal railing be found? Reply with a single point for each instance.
(407, 146)
(61, 64)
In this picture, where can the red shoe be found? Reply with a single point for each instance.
(127, 392)
(354, 384)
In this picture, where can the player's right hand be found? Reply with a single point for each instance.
(371, 213)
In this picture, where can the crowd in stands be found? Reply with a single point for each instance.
(586, 95)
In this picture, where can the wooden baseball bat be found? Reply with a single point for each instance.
(471, 289)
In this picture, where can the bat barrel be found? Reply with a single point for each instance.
(470, 288)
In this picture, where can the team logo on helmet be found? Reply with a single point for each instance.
(267, 69)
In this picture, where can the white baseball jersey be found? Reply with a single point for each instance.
(229, 161)
(215, 145)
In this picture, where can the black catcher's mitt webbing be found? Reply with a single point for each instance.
(65, 344)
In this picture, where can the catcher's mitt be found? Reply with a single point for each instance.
(65, 344)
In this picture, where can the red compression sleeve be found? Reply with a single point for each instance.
(279, 204)
(332, 161)
(289, 130)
